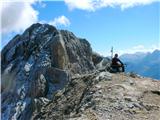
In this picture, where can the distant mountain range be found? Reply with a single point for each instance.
(145, 64)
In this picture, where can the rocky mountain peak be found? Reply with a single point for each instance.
(62, 47)
(52, 74)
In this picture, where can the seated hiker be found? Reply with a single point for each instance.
(116, 64)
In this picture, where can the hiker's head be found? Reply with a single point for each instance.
(116, 55)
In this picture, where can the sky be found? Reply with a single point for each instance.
(128, 25)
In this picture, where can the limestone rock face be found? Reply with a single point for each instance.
(38, 63)
(101, 63)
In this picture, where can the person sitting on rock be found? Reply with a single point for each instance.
(117, 64)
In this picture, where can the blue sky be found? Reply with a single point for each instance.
(128, 29)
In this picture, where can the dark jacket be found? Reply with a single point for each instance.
(115, 62)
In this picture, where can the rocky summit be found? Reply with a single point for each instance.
(50, 74)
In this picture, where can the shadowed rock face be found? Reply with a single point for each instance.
(38, 63)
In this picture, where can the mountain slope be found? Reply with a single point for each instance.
(52, 74)
(146, 64)
(133, 58)
(103, 96)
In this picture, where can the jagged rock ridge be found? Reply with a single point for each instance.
(52, 74)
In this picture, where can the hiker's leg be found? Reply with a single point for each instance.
(123, 69)
(117, 69)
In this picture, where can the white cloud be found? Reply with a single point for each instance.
(61, 20)
(79, 4)
(92, 5)
(18, 15)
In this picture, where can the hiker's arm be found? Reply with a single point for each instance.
(120, 61)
